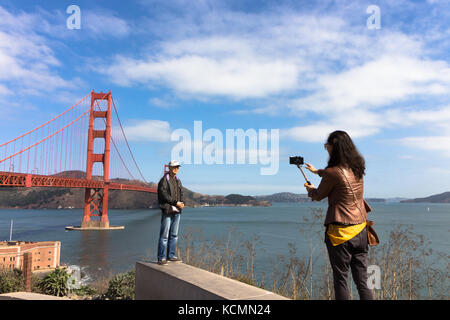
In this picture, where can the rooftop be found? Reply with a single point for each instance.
(18, 243)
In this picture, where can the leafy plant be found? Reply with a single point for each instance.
(55, 283)
(121, 287)
(85, 291)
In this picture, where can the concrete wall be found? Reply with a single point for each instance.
(179, 281)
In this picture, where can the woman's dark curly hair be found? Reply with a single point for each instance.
(344, 153)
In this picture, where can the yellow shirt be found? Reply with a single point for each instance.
(339, 234)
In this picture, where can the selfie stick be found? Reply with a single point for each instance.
(307, 181)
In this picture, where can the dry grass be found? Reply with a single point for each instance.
(101, 283)
(407, 267)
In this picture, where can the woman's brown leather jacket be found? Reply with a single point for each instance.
(342, 207)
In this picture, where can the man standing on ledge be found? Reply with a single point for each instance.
(170, 198)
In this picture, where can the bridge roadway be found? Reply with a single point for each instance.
(27, 180)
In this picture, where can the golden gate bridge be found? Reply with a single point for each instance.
(83, 147)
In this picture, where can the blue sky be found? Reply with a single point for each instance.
(304, 67)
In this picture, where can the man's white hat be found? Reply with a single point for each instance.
(174, 163)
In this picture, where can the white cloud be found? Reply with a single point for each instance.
(348, 78)
(249, 56)
(244, 55)
(160, 103)
(4, 91)
(28, 63)
(377, 83)
(100, 24)
(366, 99)
(440, 117)
(431, 143)
(406, 157)
(232, 76)
(26, 60)
(358, 125)
(439, 171)
(272, 110)
(148, 130)
(361, 123)
(245, 189)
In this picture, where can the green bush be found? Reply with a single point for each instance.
(85, 291)
(11, 281)
(55, 283)
(121, 287)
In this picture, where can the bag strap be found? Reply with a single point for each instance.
(353, 192)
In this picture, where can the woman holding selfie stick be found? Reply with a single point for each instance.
(345, 236)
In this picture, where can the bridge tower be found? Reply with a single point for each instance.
(96, 199)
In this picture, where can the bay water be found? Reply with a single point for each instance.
(275, 227)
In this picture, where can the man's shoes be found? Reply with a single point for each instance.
(162, 262)
(175, 259)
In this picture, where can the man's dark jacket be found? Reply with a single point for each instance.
(165, 193)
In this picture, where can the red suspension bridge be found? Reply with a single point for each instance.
(86, 139)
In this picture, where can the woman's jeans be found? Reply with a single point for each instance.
(353, 254)
(168, 236)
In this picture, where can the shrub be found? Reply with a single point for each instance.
(121, 287)
(11, 281)
(55, 283)
(85, 291)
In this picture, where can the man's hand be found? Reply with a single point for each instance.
(180, 205)
(311, 168)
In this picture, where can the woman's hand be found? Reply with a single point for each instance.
(309, 187)
(311, 168)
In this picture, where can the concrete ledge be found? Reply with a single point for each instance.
(179, 281)
(28, 296)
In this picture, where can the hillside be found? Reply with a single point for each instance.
(54, 198)
(199, 199)
(285, 197)
(294, 197)
(437, 198)
(375, 200)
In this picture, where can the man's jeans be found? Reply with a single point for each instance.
(168, 236)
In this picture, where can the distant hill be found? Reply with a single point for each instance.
(195, 199)
(299, 197)
(437, 198)
(54, 198)
(375, 200)
(72, 198)
(397, 199)
(285, 197)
